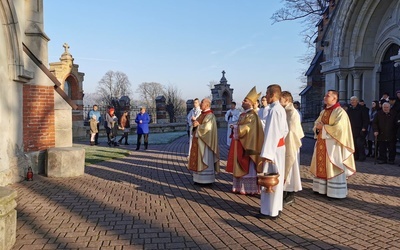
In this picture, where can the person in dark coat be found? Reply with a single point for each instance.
(142, 120)
(359, 120)
(370, 136)
(396, 105)
(384, 126)
(125, 127)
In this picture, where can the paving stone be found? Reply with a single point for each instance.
(147, 200)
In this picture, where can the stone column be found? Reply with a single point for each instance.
(342, 85)
(8, 218)
(357, 84)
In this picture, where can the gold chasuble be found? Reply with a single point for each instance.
(247, 147)
(205, 135)
(336, 132)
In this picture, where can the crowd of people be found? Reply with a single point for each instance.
(114, 126)
(266, 140)
(375, 130)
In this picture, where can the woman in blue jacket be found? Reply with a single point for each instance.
(142, 120)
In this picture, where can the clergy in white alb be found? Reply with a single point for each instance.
(231, 117)
(273, 151)
(194, 113)
(292, 180)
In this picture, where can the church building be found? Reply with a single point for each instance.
(356, 51)
(37, 105)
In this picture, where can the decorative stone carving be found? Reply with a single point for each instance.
(8, 218)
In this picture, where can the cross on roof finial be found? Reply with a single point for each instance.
(66, 47)
(223, 73)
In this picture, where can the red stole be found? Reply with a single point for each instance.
(321, 145)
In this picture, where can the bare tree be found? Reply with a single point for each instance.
(308, 11)
(176, 106)
(90, 99)
(113, 85)
(148, 92)
(211, 85)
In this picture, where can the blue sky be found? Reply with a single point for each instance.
(186, 43)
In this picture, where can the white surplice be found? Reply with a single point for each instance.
(206, 176)
(194, 112)
(275, 129)
(230, 121)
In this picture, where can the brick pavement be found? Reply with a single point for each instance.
(148, 201)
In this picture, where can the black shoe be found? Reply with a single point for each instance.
(116, 144)
(263, 216)
(289, 199)
(136, 149)
(96, 143)
(382, 162)
(109, 143)
(391, 162)
(288, 202)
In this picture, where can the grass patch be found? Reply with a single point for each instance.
(94, 154)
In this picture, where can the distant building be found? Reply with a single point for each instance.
(221, 98)
(72, 83)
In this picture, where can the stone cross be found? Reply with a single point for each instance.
(66, 47)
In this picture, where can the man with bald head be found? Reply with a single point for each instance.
(204, 153)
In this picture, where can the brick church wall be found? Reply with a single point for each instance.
(38, 118)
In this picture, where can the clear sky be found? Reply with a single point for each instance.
(186, 43)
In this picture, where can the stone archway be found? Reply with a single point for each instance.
(389, 76)
(355, 47)
(226, 100)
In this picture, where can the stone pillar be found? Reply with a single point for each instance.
(161, 110)
(8, 218)
(342, 85)
(349, 88)
(357, 84)
(216, 106)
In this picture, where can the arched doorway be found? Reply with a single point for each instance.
(226, 100)
(390, 76)
(67, 88)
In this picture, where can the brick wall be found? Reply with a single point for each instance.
(38, 118)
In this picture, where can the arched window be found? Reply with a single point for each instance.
(389, 79)
(67, 88)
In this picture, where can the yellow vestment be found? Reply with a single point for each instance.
(336, 132)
